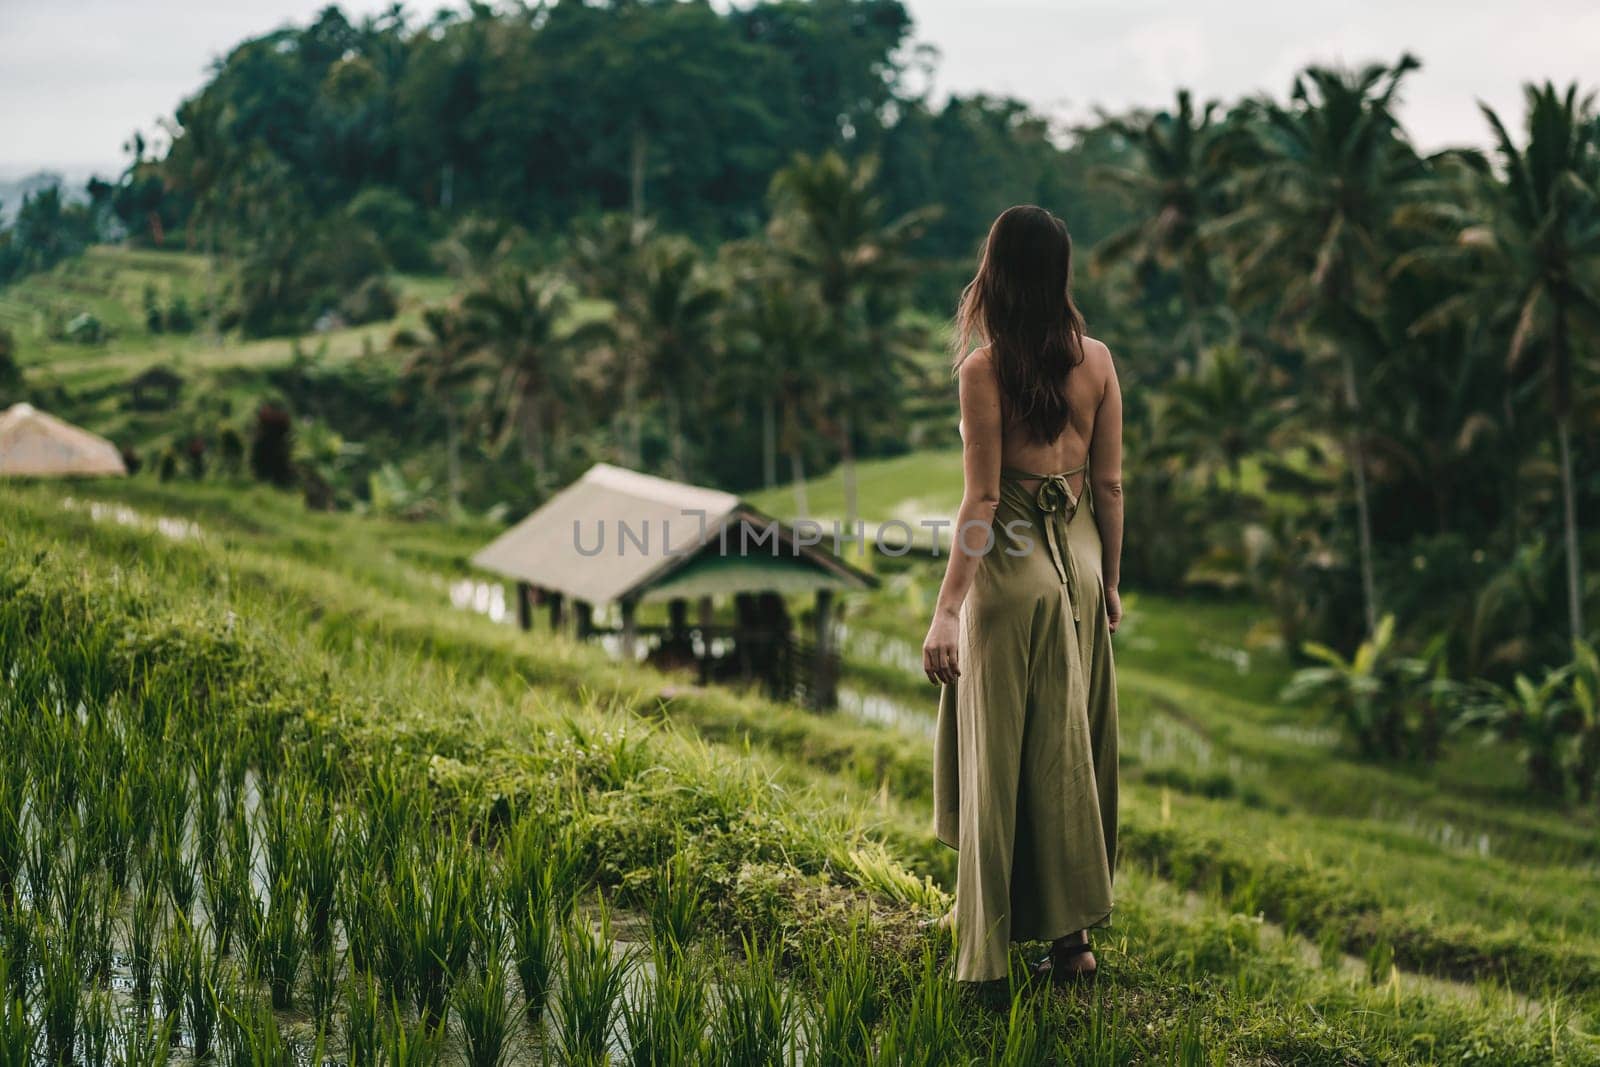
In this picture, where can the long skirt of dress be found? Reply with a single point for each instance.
(1025, 756)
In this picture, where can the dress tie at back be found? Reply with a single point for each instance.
(1057, 504)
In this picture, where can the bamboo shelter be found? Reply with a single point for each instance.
(618, 537)
(34, 444)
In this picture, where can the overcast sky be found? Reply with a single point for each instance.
(76, 76)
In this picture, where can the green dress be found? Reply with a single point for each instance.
(1025, 757)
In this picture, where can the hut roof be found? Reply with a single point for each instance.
(616, 534)
(33, 443)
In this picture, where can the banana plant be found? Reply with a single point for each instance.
(1352, 689)
(1586, 712)
(1539, 717)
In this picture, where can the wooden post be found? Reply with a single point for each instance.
(677, 618)
(558, 615)
(525, 605)
(629, 633)
(707, 616)
(823, 693)
(584, 612)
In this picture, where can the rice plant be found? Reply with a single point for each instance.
(359, 905)
(755, 1017)
(431, 908)
(847, 1001)
(96, 1028)
(318, 853)
(408, 1044)
(533, 935)
(252, 1038)
(922, 1030)
(279, 944)
(322, 986)
(143, 925)
(225, 882)
(40, 854)
(18, 937)
(13, 841)
(60, 989)
(676, 903)
(172, 967)
(363, 1019)
(18, 1032)
(483, 1010)
(201, 994)
(665, 1023)
(593, 978)
(543, 862)
(1025, 1044)
(142, 1040)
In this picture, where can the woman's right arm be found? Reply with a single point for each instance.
(1105, 476)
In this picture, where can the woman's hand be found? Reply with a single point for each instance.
(939, 649)
(1113, 608)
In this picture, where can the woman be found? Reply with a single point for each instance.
(1025, 775)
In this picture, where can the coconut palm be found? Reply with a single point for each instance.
(828, 221)
(671, 319)
(1222, 411)
(776, 331)
(445, 360)
(1178, 189)
(603, 255)
(1308, 239)
(1539, 254)
(526, 326)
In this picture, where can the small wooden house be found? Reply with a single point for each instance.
(618, 537)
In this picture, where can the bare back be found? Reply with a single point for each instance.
(1089, 386)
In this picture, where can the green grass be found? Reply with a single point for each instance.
(338, 646)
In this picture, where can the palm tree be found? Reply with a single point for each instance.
(1179, 188)
(477, 246)
(777, 327)
(444, 360)
(1309, 236)
(1544, 239)
(1222, 411)
(672, 318)
(829, 223)
(603, 255)
(525, 323)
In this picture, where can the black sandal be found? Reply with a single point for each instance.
(1052, 966)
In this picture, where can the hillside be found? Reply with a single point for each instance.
(1277, 902)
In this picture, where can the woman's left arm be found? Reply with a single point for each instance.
(974, 532)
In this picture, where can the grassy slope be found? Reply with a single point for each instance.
(1230, 795)
(364, 588)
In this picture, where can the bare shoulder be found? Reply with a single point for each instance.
(977, 370)
(978, 361)
(1096, 354)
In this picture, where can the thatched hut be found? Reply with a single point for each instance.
(34, 444)
(618, 537)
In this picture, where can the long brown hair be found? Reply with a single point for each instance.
(1020, 304)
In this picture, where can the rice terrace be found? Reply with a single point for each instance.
(329, 734)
